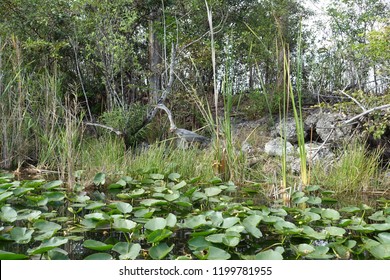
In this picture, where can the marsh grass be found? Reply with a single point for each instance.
(355, 170)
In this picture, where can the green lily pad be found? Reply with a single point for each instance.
(384, 237)
(229, 222)
(198, 243)
(174, 176)
(55, 196)
(212, 191)
(99, 216)
(33, 183)
(171, 220)
(99, 256)
(124, 207)
(158, 235)
(362, 228)
(156, 223)
(99, 179)
(269, 255)
(215, 238)
(305, 249)
(320, 253)
(250, 223)
(310, 232)
(21, 191)
(171, 196)
(123, 225)
(4, 255)
(43, 225)
(48, 245)
(96, 245)
(152, 202)
(330, 214)
(350, 209)
(381, 227)
(195, 221)
(5, 195)
(381, 251)
(314, 200)
(159, 251)
(178, 186)
(21, 235)
(127, 251)
(215, 253)
(156, 176)
(8, 214)
(312, 188)
(95, 205)
(335, 231)
(231, 238)
(378, 216)
(52, 185)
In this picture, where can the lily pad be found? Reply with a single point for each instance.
(381, 251)
(8, 214)
(152, 202)
(215, 238)
(48, 245)
(330, 214)
(159, 251)
(156, 176)
(5, 195)
(212, 191)
(158, 235)
(215, 253)
(21, 235)
(269, 255)
(4, 255)
(99, 179)
(335, 231)
(46, 226)
(52, 185)
(305, 249)
(171, 220)
(124, 207)
(156, 223)
(320, 253)
(179, 185)
(123, 225)
(99, 256)
(198, 243)
(195, 221)
(96, 245)
(229, 222)
(127, 251)
(174, 176)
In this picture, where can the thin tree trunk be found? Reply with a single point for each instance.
(154, 63)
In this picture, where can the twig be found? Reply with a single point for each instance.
(323, 144)
(353, 99)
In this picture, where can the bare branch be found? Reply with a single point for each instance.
(382, 107)
(117, 132)
(353, 99)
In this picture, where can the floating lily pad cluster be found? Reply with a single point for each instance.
(165, 217)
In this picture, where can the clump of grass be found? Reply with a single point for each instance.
(103, 154)
(355, 170)
(162, 158)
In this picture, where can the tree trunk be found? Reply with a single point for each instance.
(154, 63)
